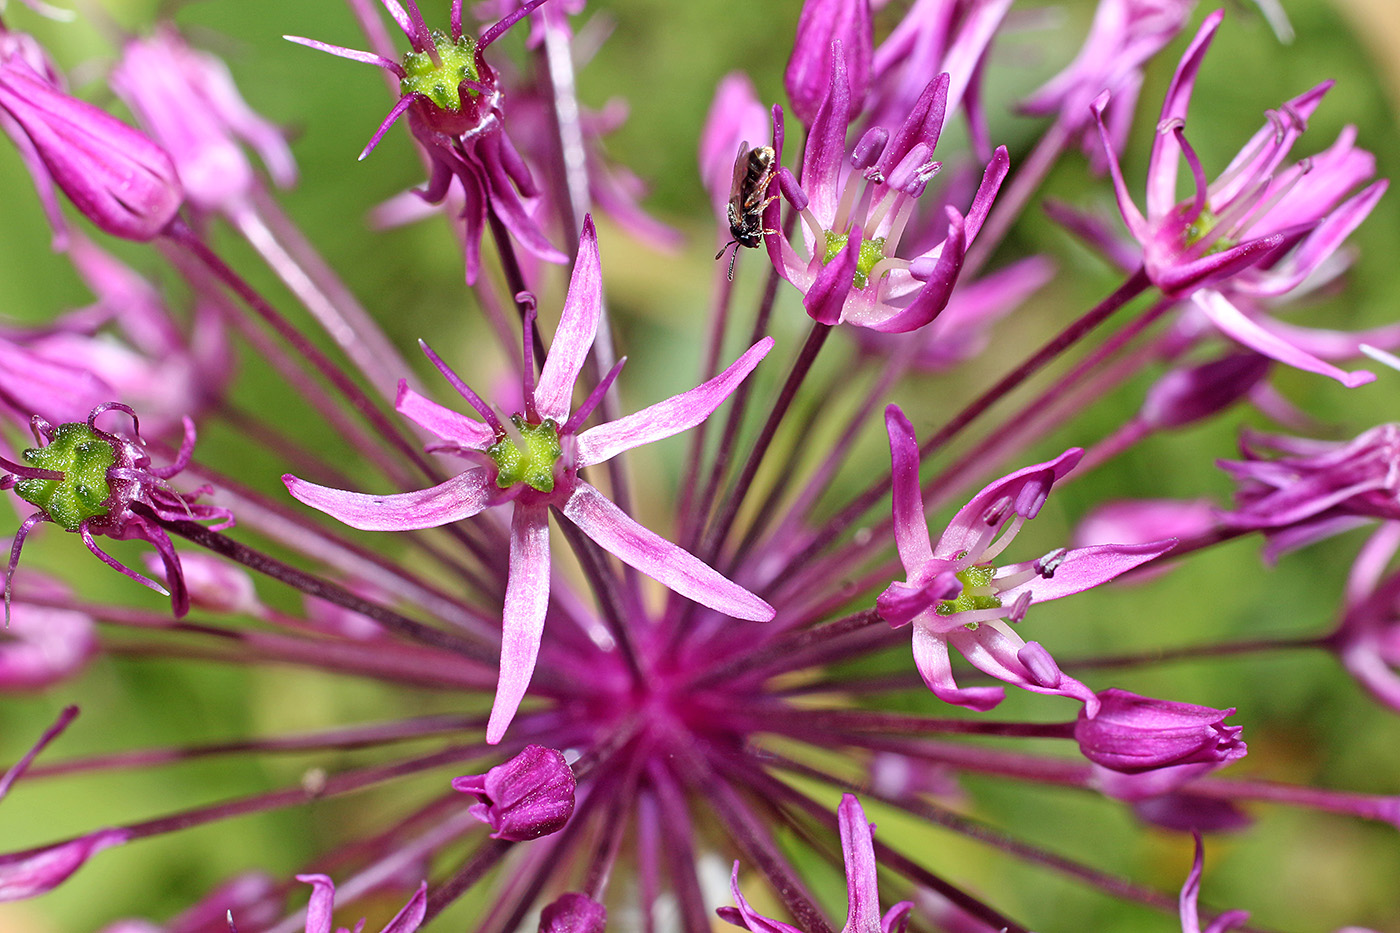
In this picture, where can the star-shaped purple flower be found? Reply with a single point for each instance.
(862, 884)
(532, 460)
(954, 596)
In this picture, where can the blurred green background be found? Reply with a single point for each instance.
(1304, 720)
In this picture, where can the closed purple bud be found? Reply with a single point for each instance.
(44, 646)
(529, 796)
(1193, 393)
(821, 23)
(573, 913)
(1133, 734)
(1185, 812)
(113, 173)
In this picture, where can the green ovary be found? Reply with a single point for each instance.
(83, 458)
(532, 461)
(977, 591)
(1201, 227)
(441, 83)
(871, 252)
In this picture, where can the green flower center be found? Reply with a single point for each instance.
(532, 460)
(977, 591)
(1201, 227)
(83, 457)
(441, 83)
(871, 252)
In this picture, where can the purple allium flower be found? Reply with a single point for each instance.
(534, 464)
(94, 482)
(320, 912)
(187, 100)
(529, 796)
(1133, 734)
(854, 210)
(935, 36)
(826, 29)
(965, 327)
(126, 346)
(954, 596)
(1312, 489)
(1123, 38)
(453, 100)
(1255, 231)
(573, 913)
(862, 884)
(1367, 640)
(114, 174)
(1191, 890)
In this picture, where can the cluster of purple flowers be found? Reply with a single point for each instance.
(632, 746)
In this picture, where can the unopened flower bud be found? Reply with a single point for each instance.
(529, 796)
(1133, 734)
(821, 25)
(573, 913)
(38, 871)
(1193, 393)
(113, 173)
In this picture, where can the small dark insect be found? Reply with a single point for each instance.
(753, 170)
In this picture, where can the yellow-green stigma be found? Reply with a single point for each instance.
(871, 252)
(83, 457)
(1201, 227)
(977, 591)
(532, 461)
(441, 84)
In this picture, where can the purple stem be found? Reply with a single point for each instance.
(719, 529)
(774, 789)
(358, 400)
(1130, 289)
(314, 586)
(1013, 198)
(405, 730)
(747, 830)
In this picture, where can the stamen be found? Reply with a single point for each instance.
(464, 390)
(595, 397)
(994, 550)
(495, 32)
(1047, 565)
(1198, 174)
(1294, 176)
(1381, 356)
(527, 334)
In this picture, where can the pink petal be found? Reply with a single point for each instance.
(616, 532)
(1085, 568)
(1166, 150)
(522, 623)
(664, 419)
(452, 426)
(910, 527)
(460, 497)
(578, 324)
(931, 659)
(1235, 325)
(29, 874)
(858, 851)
